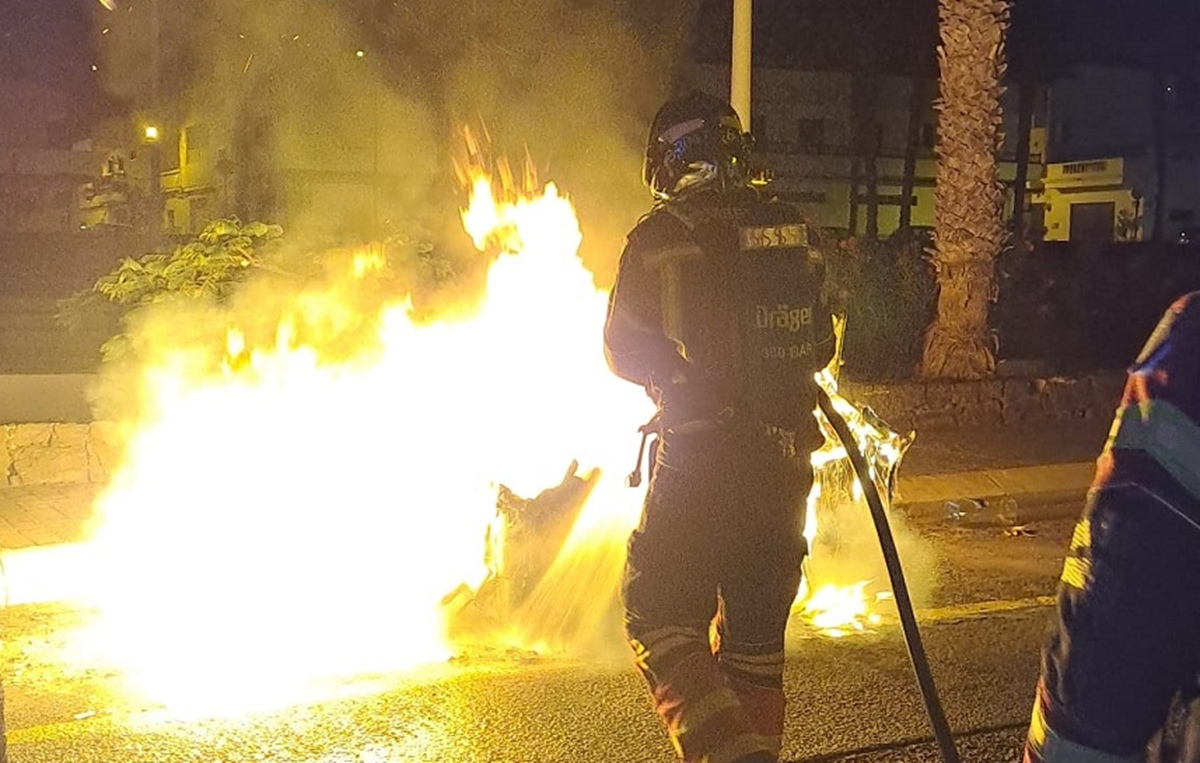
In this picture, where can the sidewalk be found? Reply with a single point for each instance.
(44, 515)
(1038, 471)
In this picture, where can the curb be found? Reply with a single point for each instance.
(996, 496)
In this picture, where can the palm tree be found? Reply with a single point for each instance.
(968, 200)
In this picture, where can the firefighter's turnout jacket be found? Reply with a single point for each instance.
(718, 311)
(1127, 635)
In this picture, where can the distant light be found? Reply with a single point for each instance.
(360, 53)
(151, 133)
(109, 4)
(104, 30)
(95, 68)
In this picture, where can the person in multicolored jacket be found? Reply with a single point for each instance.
(718, 312)
(1125, 642)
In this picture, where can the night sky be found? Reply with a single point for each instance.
(47, 41)
(51, 41)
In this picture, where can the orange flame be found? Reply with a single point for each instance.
(288, 520)
(284, 520)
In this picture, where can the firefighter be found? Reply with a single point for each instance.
(1124, 640)
(718, 312)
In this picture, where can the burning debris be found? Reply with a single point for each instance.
(269, 485)
(520, 547)
(838, 526)
(284, 517)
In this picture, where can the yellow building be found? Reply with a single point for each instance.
(1088, 200)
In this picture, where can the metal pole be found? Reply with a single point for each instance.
(739, 69)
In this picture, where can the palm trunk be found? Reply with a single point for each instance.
(969, 199)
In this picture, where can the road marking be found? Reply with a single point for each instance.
(57, 732)
(982, 609)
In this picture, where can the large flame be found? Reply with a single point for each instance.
(286, 520)
(290, 520)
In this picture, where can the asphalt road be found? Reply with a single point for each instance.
(983, 591)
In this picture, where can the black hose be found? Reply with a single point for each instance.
(908, 618)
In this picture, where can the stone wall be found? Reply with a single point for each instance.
(43, 453)
(40, 454)
(994, 402)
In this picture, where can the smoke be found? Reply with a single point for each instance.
(299, 109)
(303, 101)
(847, 548)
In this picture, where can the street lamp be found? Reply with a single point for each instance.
(154, 197)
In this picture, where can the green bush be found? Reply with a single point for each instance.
(246, 276)
(887, 291)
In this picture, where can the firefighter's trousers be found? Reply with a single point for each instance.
(1127, 636)
(711, 574)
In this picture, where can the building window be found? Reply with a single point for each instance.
(874, 138)
(197, 141)
(1063, 132)
(1081, 168)
(169, 151)
(198, 212)
(809, 197)
(758, 127)
(810, 136)
(927, 135)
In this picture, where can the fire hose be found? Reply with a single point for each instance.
(891, 557)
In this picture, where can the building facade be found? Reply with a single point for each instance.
(804, 127)
(1103, 164)
(40, 173)
(1123, 152)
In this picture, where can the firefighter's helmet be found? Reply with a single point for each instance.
(695, 140)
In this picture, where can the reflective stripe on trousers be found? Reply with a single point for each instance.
(718, 552)
(715, 710)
